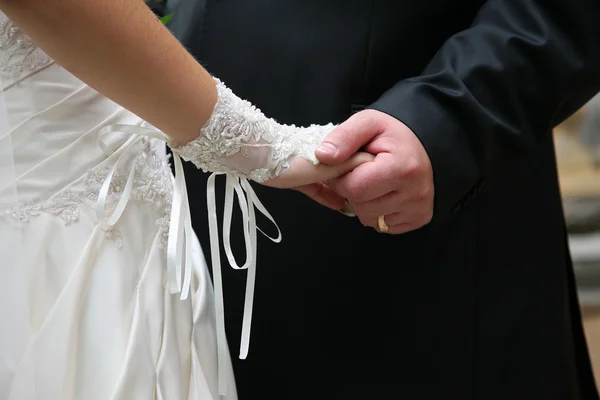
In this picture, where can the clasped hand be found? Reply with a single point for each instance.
(396, 184)
(375, 163)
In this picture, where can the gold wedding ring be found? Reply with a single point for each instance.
(383, 227)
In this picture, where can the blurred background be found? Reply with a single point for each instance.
(578, 154)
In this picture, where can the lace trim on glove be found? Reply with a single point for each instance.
(239, 139)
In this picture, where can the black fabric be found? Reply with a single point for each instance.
(480, 304)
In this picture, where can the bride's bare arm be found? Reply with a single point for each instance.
(119, 48)
(123, 51)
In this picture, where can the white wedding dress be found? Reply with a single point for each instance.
(85, 307)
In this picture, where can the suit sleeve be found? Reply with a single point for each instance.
(520, 69)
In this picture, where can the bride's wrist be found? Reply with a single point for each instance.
(238, 138)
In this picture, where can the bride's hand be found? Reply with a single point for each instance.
(308, 178)
(302, 172)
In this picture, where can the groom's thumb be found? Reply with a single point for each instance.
(349, 137)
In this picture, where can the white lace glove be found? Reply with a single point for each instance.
(239, 139)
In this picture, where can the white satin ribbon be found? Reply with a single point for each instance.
(248, 201)
(180, 232)
(180, 226)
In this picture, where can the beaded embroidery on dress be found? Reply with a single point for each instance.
(18, 54)
(152, 184)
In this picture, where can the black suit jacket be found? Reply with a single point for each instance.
(479, 304)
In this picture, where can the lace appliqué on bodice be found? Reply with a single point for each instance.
(153, 184)
(18, 54)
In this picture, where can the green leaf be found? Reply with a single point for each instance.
(166, 19)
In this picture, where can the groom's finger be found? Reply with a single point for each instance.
(323, 195)
(349, 137)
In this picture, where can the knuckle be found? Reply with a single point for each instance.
(338, 187)
(333, 183)
(341, 132)
(363, 220)
(411, 168)
(405, 227)
(357, 191)
(365, 117)
(368, 119)
(366, 211)
(316, 191)
(427, 217)
(359, 209)
(425, 194)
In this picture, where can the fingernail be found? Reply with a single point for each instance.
(327, 148)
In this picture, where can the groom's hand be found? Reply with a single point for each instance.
(397, 184)
(324, 195)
